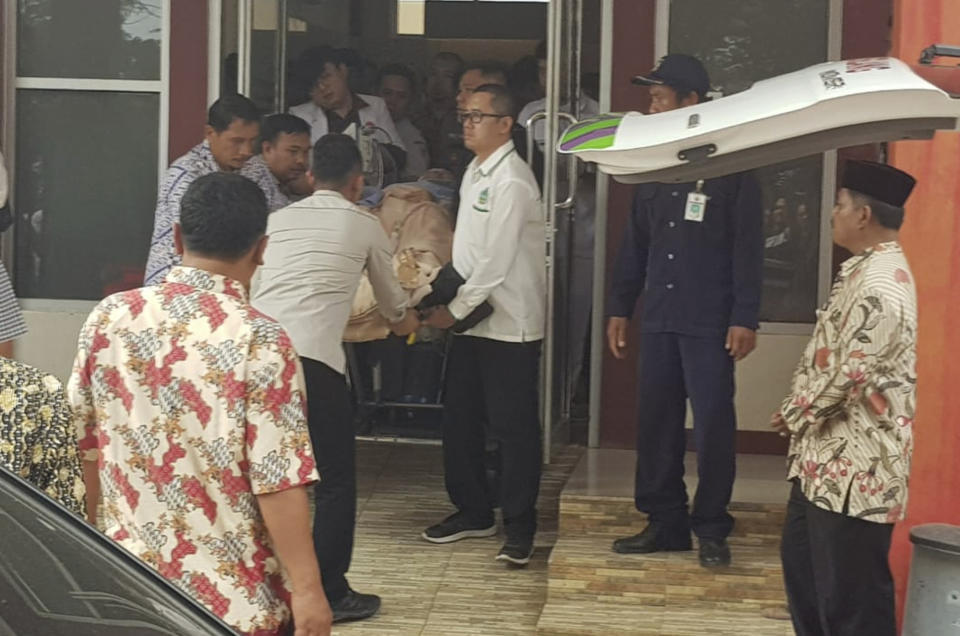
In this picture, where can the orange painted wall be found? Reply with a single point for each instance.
(931, 239)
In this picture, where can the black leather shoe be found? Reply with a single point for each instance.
(355, 607)
(654, 538)
(714, 553)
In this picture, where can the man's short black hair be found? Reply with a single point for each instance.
(501, 99)
(228, 108)
(222, 216)
(313, 62)
(336, 158)
(275, 125)
(683, 93)
(400, 70)
(491, 70)
(889, 216)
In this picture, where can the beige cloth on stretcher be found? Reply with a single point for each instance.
(421, 234)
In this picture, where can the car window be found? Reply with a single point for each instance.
(60, 576)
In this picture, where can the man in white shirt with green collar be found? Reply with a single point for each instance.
(493, 370)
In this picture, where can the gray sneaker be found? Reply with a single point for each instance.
(456, 527)
(517, 552)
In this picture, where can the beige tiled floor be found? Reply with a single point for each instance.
(455, 589)
(459, 590)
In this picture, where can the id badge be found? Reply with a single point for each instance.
(696, 207)
(696, 204)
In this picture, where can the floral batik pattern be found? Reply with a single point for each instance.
(37, 440)
(193, 404)
(853, 397)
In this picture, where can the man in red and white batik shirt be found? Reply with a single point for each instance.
(189, 405)
(849, 417)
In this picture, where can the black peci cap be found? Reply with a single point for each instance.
(879, 181)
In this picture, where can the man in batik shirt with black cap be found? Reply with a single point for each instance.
(849, 417)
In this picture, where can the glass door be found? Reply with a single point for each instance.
(437, 37)
(570, 203)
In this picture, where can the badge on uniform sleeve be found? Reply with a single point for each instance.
(696, 204)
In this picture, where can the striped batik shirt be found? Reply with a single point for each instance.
(853, 398)
(11, 320)
(198, 161)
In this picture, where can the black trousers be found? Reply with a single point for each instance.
(330, 418)
(836, 572)
(493, 389)
(674, 367)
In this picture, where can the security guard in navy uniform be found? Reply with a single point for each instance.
(694, 252)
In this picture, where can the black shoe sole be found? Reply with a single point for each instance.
(477, 533)
(351, 616)
(628, 550)
(519, 562)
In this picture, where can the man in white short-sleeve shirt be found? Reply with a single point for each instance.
(494, 367)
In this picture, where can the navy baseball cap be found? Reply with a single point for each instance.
(677, 70)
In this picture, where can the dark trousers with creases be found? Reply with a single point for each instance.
(674, 367)
(330, 419)
(492, 388)
(836, 572)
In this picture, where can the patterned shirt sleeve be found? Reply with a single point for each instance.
(60, 445)
(278, 441)
(163, 255)
(866, 335)
(80, 389)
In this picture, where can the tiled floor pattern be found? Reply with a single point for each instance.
(591, 590)
(431, 590)
(459, 590)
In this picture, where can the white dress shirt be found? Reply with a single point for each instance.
(317, 251)
(373, 113)
(499, 248)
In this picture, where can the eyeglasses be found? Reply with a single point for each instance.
(475, 116)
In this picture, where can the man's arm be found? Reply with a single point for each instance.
(630, 268)
(511, 206)
(748, 245)
(281, 465)
(392, 300)
(629, 276)
(91, 481)
(162, 255)
(747, 253)
(872, 334)
(63, 457)
(286, 514)
(83, 408)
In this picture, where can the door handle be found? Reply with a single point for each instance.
(534, 118)
(573, 174)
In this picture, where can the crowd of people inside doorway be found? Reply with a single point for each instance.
(206, 407)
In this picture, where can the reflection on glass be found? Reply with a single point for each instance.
(86, 191)
(56, 581)
(100, 39)
(229, 58)
(741, 42)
